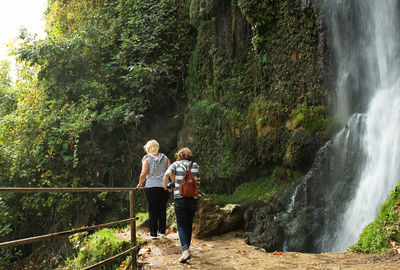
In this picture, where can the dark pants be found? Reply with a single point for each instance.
(185, 209)
(157, 199)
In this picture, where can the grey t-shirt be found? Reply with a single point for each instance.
(157, 167)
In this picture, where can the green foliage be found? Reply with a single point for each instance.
(265, 117)
(142, 217)
(7, 254)
(260, 189)
(8, 99)
(262, 14)
(171, 218)
(312, 118)
(253, 63)
(378, 236)
(96, 247)
(75, 116)
(221, 157)
(200, 10)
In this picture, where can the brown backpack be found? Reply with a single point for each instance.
(188, 185)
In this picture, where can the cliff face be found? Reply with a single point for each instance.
(257, 103)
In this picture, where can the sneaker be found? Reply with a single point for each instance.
(185, 256)
(154, 237)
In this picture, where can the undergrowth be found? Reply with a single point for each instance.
(384, 231)
(142, 218)
(93, 248)
(260, 189)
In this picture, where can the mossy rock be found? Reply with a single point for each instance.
(311, 118)
(210, 219)
(302, 148)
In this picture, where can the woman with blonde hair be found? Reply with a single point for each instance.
(185, 207)
(154, 165)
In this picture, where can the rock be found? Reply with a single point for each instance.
(302, 148)
(210, 219)
(233, 217)
(267, 235)
(250, 211)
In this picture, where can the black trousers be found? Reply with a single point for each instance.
(157, 199)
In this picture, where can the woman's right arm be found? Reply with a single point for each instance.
(170, 173)
(165, 180)
(171, 176)
(143, 173)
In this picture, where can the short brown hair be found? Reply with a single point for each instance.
(184, 153)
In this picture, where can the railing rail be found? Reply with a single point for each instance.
(132, 220)
(64, 233)
(36, 190)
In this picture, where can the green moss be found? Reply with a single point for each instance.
(200, 9)
(260, 189)
(253, 62)
(263, 111)
(96, 247)
(142, 217)
(171, 218)
(377, 236)
(220, 149)
(311, 118)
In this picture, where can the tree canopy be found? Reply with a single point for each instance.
(78, 114)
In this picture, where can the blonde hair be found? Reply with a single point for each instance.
(184, 153)
(151, 147)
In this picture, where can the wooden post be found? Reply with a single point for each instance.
(133, 227)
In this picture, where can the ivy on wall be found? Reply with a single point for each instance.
(254, 64)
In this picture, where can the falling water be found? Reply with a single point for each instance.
(367, 45)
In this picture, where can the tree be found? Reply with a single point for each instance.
(83, 93)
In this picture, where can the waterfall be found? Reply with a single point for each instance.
(353, 173)
(319, 198)
(366, 44)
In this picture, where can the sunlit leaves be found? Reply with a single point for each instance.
(78, 108)
(7, 95)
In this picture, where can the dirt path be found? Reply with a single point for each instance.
(230, 252)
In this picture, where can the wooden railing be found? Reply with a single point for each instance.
(132, 221)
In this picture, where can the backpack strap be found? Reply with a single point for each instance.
(190, 167)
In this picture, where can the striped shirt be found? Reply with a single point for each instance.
(178, 168)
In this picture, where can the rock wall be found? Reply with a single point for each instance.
(258, 101)
(256, 97)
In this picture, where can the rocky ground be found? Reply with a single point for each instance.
(229, 251)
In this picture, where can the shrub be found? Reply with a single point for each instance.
(378, 236)
(96, 247)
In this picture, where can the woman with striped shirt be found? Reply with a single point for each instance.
(185, 207)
